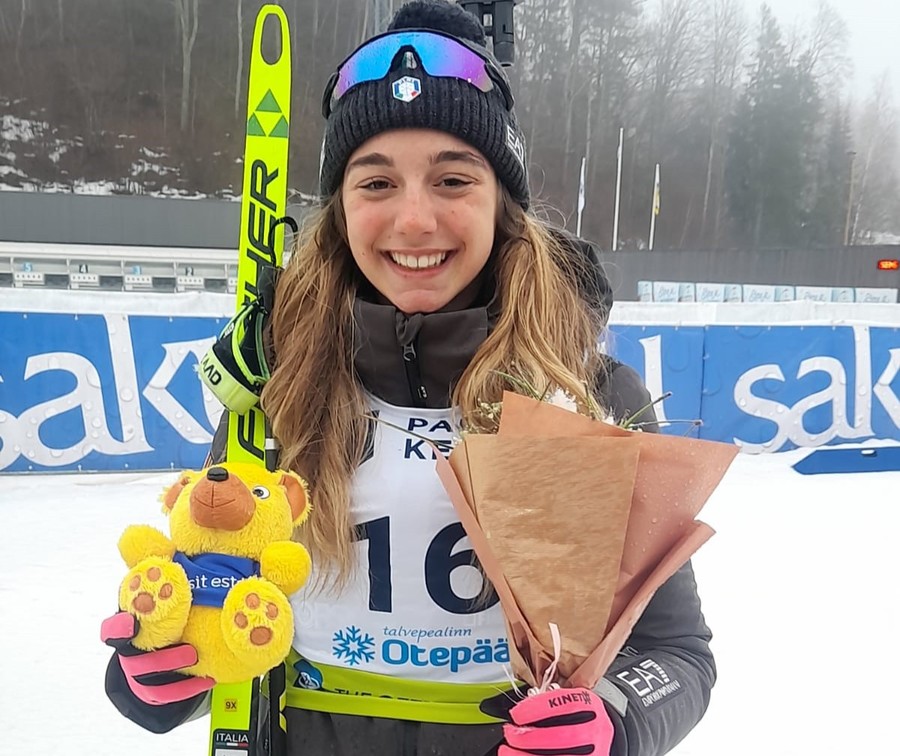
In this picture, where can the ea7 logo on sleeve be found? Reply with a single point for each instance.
(650, 682)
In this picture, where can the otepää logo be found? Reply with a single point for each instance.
(354, 646)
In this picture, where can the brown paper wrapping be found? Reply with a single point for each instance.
(578, 522)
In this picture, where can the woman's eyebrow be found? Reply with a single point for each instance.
(370, 159)
(449, 156)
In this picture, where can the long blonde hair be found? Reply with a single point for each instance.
(545, 333)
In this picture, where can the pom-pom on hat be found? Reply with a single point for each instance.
(482, 119)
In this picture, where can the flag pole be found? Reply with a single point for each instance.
(580, 197)
(615, 239)
(655, 209)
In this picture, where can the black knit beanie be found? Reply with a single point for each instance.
(445, 104)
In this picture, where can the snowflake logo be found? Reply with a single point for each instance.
(353, 646)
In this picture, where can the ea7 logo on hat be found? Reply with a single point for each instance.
(515, 144)
(407, 89)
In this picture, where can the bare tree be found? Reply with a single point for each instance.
(611, 54)
(336, 25)
(575, 10)
(663, 78)
(94, 74)
(5, 31)
(23, 15)
(536, 62)
(673, 57)
(668, 71)
(876, 204)
(188, 19)
(826, 48)
(725, 45)
(363, 32)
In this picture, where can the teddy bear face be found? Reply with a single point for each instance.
(234, 509)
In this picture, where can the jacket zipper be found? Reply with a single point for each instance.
(414, 375)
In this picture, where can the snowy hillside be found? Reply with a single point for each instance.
(36, 156)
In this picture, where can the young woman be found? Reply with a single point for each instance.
(420, 283)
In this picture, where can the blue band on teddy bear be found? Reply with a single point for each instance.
(212, 575)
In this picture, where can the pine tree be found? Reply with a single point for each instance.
(770, 154)
(828, 216)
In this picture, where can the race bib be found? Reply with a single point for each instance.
(416, 606)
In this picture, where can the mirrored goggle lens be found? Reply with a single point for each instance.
(439, 56)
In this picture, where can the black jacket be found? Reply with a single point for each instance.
(658, 687)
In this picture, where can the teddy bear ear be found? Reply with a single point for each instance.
(297, 494)
(174, 491)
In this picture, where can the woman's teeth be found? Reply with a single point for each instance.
(419, 262)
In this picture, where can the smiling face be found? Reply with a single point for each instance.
(420, 208)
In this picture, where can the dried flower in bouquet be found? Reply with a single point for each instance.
(577, 523)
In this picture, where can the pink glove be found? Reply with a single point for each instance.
(559, 722)
(152, 675)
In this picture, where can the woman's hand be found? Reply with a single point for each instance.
(559, 722)
(152, 676)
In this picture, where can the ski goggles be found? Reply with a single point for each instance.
(440, 55)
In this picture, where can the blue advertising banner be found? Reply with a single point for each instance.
(104, 392)
(670, 359)
(120, 392)
(770, 388)
(774, 388)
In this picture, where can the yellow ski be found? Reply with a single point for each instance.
(233, 715)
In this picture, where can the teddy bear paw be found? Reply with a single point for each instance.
(257, 623)
(157, 592)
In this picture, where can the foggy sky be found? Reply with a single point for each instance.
(874, 36)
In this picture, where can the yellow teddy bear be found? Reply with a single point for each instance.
(221, 582)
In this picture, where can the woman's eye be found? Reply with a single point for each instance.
(260, 492)
(454, 182)
(376, 184)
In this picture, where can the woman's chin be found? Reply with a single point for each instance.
(420, 302)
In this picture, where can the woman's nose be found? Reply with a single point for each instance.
(416, 213)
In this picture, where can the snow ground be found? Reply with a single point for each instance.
(799, 586)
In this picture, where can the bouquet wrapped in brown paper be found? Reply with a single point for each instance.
(577, 523)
